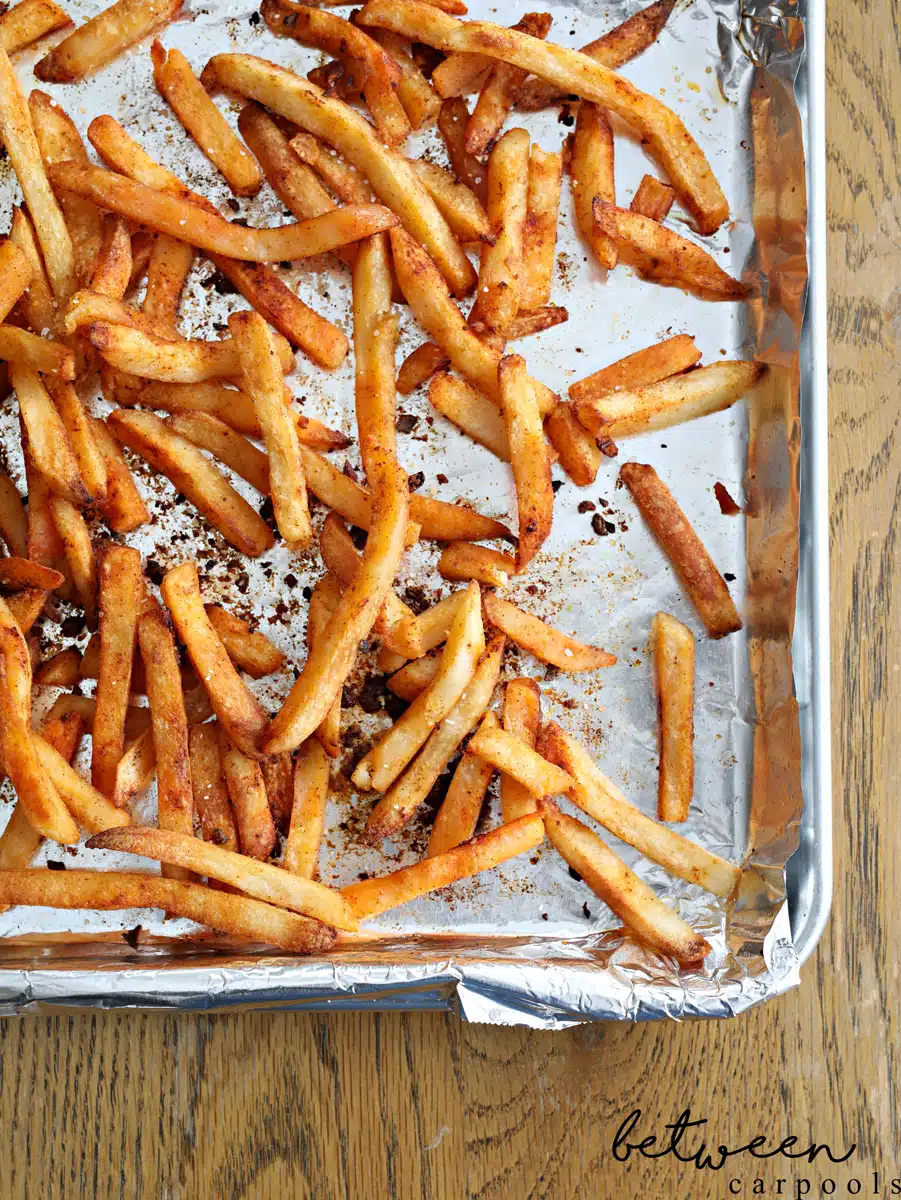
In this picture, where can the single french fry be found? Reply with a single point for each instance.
(419, 366)
(196, 477)
(455, 821)
(652, 198)
(226, 444)
(16, 273)
(142, 243)
(136, 769)
(348, 184)
(104, 38)
(323, 602)
(211, 802)
(120, 597)
(459, 205)
(470, 411)
(137, 720)
(674, 673)
(26, 606)
(152, 357)
(371, 897)
(419, 99)
(500, 274)
(28, 21)
(499, 90)
(112, 270)
(672, 529)
(88, 806)
(25, 350)
(511, 755)
(445, 522)
(79, 552)
(606, 804)
(401, 801)
(18, 573)
(636, 371)
(415, 676)
(578, 451)
(43, 543)
(167, 271)
(463, 560)
(524, 324)
(37, 304)
(250, 651)
(17, 658)
(80, 430)
(522, 719)
(391, 176)
(253, 817)
(460, 74)
(278, 778)
(453, 121)
(547, 644)
(13, 521)
(123, 509)
(591, 174)
(539, 237)
(311, 783)
(528, 456)
(60, 670)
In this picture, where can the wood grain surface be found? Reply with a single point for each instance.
(419, 1105)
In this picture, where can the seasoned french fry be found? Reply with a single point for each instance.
(471, 412)
(419, 366)
(463, 560)
(455, 821)
(528, 456)
(153, 357)
(453, 121)
(26, 606)
(17, 573)
(86, 308)
(606, 804)
(258, 355)
(419, 99)
(311, 782)
(669, 524)
(89, 807)
(400, 802)
(104, 38)
(591, 175)
(460, 74)
(620, 888)
(459, 205)
(499, 90)
(498, 291)
(454, 522)
(226, 444)
(37, 304)
(79, 428)
(16, 273)
(415, 676)
(539, 237)
(522, 719)
(122, 509)
(674, 671)
(250, 651)
(13, 521)
(432, 627)
(28, 21)
(278, 778)
(25, 350)
(653, 199)
(323, 602)
(371, 897)
(167, 272)
(256, 828)
(636, 371)
(578, 451)
(547, 644)
(211, 802)
(136, 769)
(111, 272)
(120, 597)
(391, 176)
(137, 720)
(196, 477)
(348, 184)
(79, 552)
(60, 670)
(524, 324)
(43, 543)
(142, 243)
(511, 755)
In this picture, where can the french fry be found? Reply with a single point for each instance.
(455, 821)
(79, 552)
(459, 205)
(16, 273)
(465, 646)
(460, 74)
(311, 783)
(26, 606)
(454, 522)
(432, 627)
(528, 456)
(578, 452)
(136, 769)
(37, 304)
(419, 99)
(196, 477)
(606, 804)
(653, 199)
(137, 720)
(258, 355)
(88, 806)
(522, 719)
(663, 255)
(60, 670)
(511, 755)
(391, 176)
(470, 411)
(463, 560)
(348, 184)
(401, 801)
(17, 658)
(112, 270)
(226, 444)
(419, 366)
(153, 357)
(497, 294)
(671, 401)
(167, 271)
(638, 370)
(620, 888)
(122, 509)
(142, 243)
(547, 644)
(87, 308)
(211, 802)
(253, 817)
(28, 21)
(250, 651)
(236, 915)
(81, 434)
(104, 38)
(539, 237)
(278, 778)
(453, 121)
(186, 96)
(371, 897)
(591, 175)
(499, 90)
(120, 597)
(89, 667)
(342, 77)
(524, 324)
(682, 546)
(43, 543)
(17, 573)
(25, 350)
(415, 676)
(13, 521)
(674, 673)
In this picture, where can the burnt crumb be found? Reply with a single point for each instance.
(586, 506)
(415, 482)
(602, 527)
(608, 447)
(52, 865)
(306, 592)
(728, 506)
(77, 689)
(348, 696)
(285, 264)
(363, 876)
(557, 484)
(570, 704)
(442, 478)
(545, 917)
(395, 707)
(218, 837)
(221, 284)
(255, 18)
(586, 912)
(372, 695)
(291, 581)
(532, 589)
(180, 498)
(281, 612)
(242, 221)
(231, 201)
(534, 860)
(242, 583)
(574, 874)
(210, 564)
(350, 471)
(358, 536)
(603, 503)
(155, 571)
(132, 936)
(417, 598)
(565, 116)
(663, 446)
(406, 422)
(728, 576)
(73, 626)
(267, 510)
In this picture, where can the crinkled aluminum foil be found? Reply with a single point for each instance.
(525, 943)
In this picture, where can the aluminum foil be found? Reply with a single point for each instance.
(525, 943)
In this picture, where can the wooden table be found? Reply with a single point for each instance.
(419, 1105)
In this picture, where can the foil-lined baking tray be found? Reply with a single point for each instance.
(527, 943)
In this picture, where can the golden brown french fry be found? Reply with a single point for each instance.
(79, 552)
(511, 755)
(674, 674)
(454, 522)
(13, 521)
(606, 804)
(311, 783)
(258, 355)
(237, 915)
(136, 769)
(400, 802)
(104, 38)
(28, 21)
(123, 510)
(226, 444)
(391, 176)
(27, 606)
(460, 74)
(43, 543)
(528, 456)
(137, 720)
(60, 670)
(79, 428)
(233, 703)
(91, 809)
(22, 349)
(663, 255)
(463, 560)
(253, 817)
(348, 184)
(522, 719)
(16, 273)
(323, 602)
(188, 99)
(465, 646)
(638, 370)
(459, 205)
(652, 199)
(167, 271)
(37, 304)
(539, 238)
(432, 627)
(17, 573)
(662, 130)
(453, 120)
(86, 308)
(547, 644)
(371, 897)
(620, 888)
(591, 174)
(278, 778)
(196, 477)
(578, 451)
(524, 324)
(500, 273)
(249, 650)
(211, 802)
(671, 401)
(415, 676)
(419, 99)
(142, 243)
(682, 546)
(152, 357)
(455, 821)
(470, 411)
(499, 90)
(120, 597)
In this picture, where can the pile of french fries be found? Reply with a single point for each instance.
(242, 793)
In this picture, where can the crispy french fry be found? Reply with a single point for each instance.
(419, 366)
(136, 769)
(539, 237)
(652, 199)
(499, 90)
(432, 627)
(459, 205)
(142, 243)
(463, 560)
(86, 308)
(111, 273)
(80, 430)
(26, 606)
(522, 719)
(104, 38)
(470, 411)
(226, 444)
(415, 676)
(674, 673)
(167, 272)
(453, 121)
(465, 645)
(137, 720)
(419, 99)
(348, 184)
(670, 526)
(120, 597)
(37, 304)
(400, 802)
(620, 888)
(79, 552)
(454, 522)
(528, 456)
(323, 602)
(122, 509)
(636, 371)
(374, 896)
(237, 915)
(196, 477)
(578, 451)
(250, 651)
(278, 778)
(16, 273)
(460, 74)
(211, 802)
(391, 176)
(455, 821)
(547, 644)
(511, 755)
(497, 294)
(25, 350)
(152, 357)
(591, 175)
(311, 783)
(524, 324)
(60, 670)
(17, 573)
(89, 807)
(258, 355)
(185, 94)
(606, 804)
(253, 817)
(13, 521)
(43, 543)
(28, 21)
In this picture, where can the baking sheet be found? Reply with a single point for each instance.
(526, 941)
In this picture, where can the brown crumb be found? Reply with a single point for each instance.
(728, 507)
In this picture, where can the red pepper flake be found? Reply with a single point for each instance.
(728, 507)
